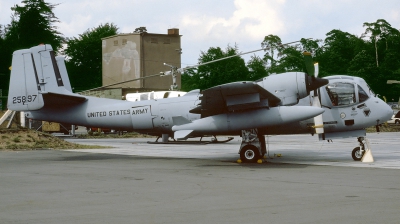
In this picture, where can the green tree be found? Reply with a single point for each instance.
(376, 60)
(361, 65)
(338, 50)
(84, 57)
(291, 60)
(272, 45)
(3, 74)
(256, 66)
(141, 29)
(32, 23)
(380, 30)
(190, 80)
(311, 45)
(383, 50)
(217, 73)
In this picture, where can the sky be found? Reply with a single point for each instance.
(219, 23)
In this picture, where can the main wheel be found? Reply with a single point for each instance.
(249, 154)
(397, 122)
(357, 153)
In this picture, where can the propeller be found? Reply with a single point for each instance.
(313, 70)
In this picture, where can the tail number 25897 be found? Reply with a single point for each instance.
(24, 99)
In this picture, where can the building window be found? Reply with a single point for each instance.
(115, 42)
(154, 40)
(167, 41)
(124, 41)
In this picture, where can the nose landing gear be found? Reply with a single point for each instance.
(358, 152)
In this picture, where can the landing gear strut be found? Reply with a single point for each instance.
(358, 152)
(253, 146)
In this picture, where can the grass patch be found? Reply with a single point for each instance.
(384, 128)
(26, 139)
(16, 139)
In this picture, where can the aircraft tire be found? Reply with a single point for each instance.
(397, 122)
(249, 154)
(357, 154)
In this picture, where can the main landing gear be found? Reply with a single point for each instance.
(253, 146)
(358, 152)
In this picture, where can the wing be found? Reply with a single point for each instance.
(233, 97)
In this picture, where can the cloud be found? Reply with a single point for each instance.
(210, 23)
(251, 19)
(77, 24)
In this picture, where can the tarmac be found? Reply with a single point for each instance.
(137, 182)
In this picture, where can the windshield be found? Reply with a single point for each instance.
(341, 94)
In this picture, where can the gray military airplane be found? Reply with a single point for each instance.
(289, 103)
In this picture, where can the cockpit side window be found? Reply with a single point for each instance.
(362, 95)
(366, 87)
(341, 94)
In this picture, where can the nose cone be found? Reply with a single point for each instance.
(314, 83)
(387, 113)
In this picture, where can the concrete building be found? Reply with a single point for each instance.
(137, 55)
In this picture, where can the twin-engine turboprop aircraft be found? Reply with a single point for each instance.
(288, 103)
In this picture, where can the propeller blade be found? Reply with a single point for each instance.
(314, 83)
(316, 69)
(318, 121)
(308, 61)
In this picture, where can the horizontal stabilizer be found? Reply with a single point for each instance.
(182, 134)
(62, 100)
(179, 120)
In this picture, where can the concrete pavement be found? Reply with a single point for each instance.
(144, 183)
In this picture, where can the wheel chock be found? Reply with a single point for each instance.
(277, 155)
(239, 161)
(259, 161)
(367, 157)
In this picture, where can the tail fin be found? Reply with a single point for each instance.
(36, 73)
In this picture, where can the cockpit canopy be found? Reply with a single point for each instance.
(346, 90)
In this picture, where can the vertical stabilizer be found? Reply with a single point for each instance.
(24, 83)
(34, 72)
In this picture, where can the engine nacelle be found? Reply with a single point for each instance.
(290, 87)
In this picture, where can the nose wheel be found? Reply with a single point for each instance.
(358, 152)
